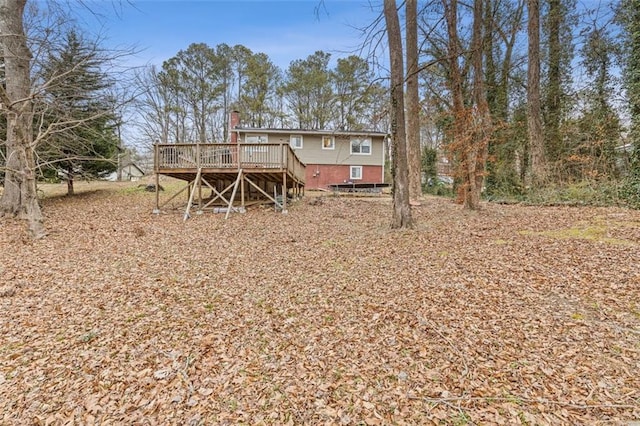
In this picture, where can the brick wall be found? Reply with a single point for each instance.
(234, 120)
(321, 176)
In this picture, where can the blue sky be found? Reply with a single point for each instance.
(284, 30)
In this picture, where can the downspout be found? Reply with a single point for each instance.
(384, 140)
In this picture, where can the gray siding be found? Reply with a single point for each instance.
(313, 153)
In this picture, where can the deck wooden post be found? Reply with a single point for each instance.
(284, 193)
(157, 210)
(156, 166)
(242, 192)
(198, 183)
(233, 194)
(282, 156)
(200, 195)
(193, 191)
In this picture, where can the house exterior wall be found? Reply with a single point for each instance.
(313, 153)
(322, 175)
(328, 166)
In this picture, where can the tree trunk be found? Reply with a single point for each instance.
(19, 198)
(70, 190)
(413, 103)
(461, 144)
(553, 103)
(537, 160)
(482, 121)
(401, 207)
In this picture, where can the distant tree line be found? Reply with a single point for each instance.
(190, 96)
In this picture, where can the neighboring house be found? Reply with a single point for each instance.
(128, 172)
(331, 157)
(131, 171)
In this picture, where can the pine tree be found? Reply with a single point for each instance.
(77, 112)
(308, 91)
(259, 87)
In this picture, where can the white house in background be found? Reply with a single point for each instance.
(129, 172)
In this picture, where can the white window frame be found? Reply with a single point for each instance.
(351, 174)
(333, 142)
(293, 138)
(258, 139)
(360, 143)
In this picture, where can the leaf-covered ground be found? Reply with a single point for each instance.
(511, 315)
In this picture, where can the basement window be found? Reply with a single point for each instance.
(355, 173)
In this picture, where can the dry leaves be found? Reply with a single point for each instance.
(322, 316)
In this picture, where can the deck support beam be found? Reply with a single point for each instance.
(219, 195)
(263, 192)
(233, 194)
(195, 183)
(284, 193)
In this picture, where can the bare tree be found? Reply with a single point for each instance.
(479, 149)
(153, 107)
(19, 198)
(534, 108)
(401, 207)
(459, 130)
(413, 103)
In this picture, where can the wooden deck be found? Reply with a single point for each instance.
(236, 174)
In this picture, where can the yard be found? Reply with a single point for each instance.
(511, 315)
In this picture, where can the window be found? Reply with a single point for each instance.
(361, 146)
(355, 173)
(255, 139)
(328, 142)
(295, 141)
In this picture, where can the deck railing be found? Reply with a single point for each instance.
(228, 156)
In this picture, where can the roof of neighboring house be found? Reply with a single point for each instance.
(310, 132)
(134, 166)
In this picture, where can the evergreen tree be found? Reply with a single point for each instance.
(352, 92)
(259, 88)
(77, 112)
(600, 125)
(555, 87)
(308, 91)
(197, 76)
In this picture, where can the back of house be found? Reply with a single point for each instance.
(331, 157)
